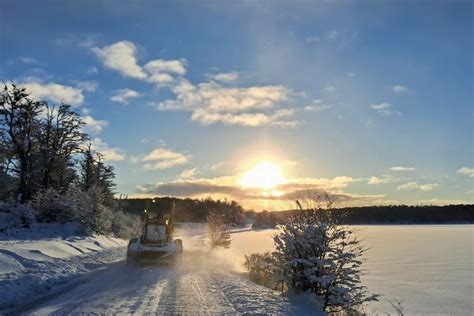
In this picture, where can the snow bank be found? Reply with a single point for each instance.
(30, 265)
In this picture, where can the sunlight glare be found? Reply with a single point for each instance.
(264, 175)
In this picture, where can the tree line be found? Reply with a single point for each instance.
(391, 214)
(48, 168)
(188, 210)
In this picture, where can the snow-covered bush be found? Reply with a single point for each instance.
(96, 218)
(86, 208)
(324, 259)
(15, 216)
(219, 235)
(314, 254)
(125, 225)
(51, 206)
(265, 269)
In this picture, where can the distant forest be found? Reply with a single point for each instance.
(186, 210)
(392, 214)
(197, 210)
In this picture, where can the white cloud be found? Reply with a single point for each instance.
(466, 171)
(54, 92)
(123, 95)
(109, 153)
(88, 86)
(399, 89)
(351, 74)
(377, 180)
(212, 103)
(209, 102)
(381, 106)
(226, 76)
(339, 182)
(93, 125)
(188, 174)
(384, 109)
(416, 186)
(121, 56)
(329, 88)
(402, 168)
(160, 71)
(244, 119)
(162, 158)
(166, 66)
(317, 106)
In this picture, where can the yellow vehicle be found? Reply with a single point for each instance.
(156, 243)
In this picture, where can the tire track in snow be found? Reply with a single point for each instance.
(191, 287)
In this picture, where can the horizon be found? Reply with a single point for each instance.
(256, 102)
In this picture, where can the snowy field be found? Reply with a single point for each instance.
(429, 267)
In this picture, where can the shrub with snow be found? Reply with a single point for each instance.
(51, 206)
(219, 235)
(314, 254)
(265, 269)
(86, 208)
(324, 259)
(125, 225)
(15, 216)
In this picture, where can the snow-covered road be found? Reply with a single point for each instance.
(44, 275)
(192, 287)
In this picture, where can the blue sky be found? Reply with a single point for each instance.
(369, 100)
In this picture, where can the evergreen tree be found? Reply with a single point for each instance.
(94, 173)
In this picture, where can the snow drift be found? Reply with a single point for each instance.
(31, 264)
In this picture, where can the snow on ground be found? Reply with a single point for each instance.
(83, 275)
(30, 264)
(194, 286)
(429, 268)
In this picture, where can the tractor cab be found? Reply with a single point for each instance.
(156, 241)
(156, 230)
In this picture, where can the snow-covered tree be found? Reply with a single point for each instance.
(59, 137)
(314, 254)
(51, 206)
(19, 121)
(95, 173)
(219, 235)
(324, 259)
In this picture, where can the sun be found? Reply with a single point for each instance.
(264, 175)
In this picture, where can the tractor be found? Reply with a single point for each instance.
(155, 244)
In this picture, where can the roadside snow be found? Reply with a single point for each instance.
(30, 265)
